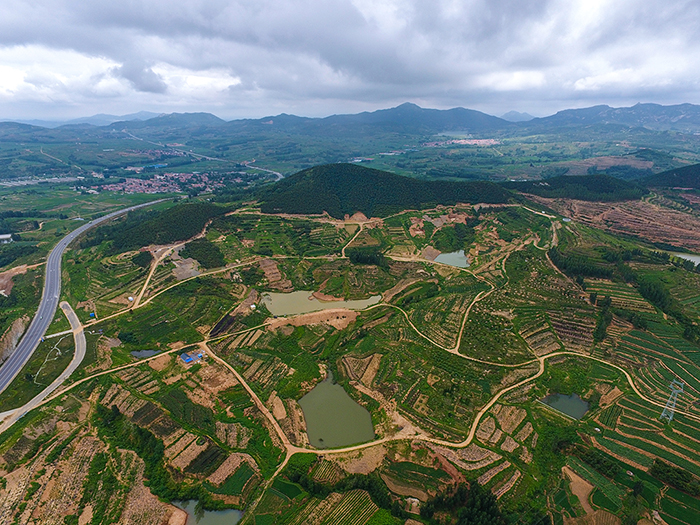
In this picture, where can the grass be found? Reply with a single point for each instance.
(610, 489)
(46, 364)
(235, 483)
(290, 490)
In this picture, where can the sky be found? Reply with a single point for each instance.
(63, 59)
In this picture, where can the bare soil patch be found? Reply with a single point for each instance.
(11, 337)
(581, 167)
(229, 466)
(640, 218)
(6, 278)
(141, 506)
(338, 318)
(274, 276)
(402, 489)
(161, 363)
(277, 406)
(362, 461)
(430, 253)
(509, 444)
(325, 297)
(509, 417)
(486, 429)
(580, 488)
(371, 370)
(184, 268)
(187, 456)
(610, 396)
(470, 458)
(489, 475)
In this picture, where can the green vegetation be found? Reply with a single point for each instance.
(142, 259)
(115, 428)
(205, 252)
(587, 187)
(191, 414)
(340, 189)
(469, 505)
(141, 228)
(9, 253)
(48, 361)
(685, 177)
(676, 477)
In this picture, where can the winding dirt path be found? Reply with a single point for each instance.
(291, 449)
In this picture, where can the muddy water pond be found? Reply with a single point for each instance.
(457, 259)
(571, 405)
(302, 302)
(333, 418)
(208, 517)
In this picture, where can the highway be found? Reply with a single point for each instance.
(49, 300)
(8, 418)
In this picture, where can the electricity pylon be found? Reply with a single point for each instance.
(669, 409)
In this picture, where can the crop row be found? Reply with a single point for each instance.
(610, 489)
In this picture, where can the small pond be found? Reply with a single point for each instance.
(695, 259)
(144, 353)
(457, 259)
(571, 405)
(302, 302)
(219, 517)
(333, 418)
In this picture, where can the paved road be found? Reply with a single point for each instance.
(49, 301)
(11, 416)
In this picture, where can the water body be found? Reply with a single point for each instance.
(333, 418)
(219, 517)
(457, 259)
(302, 302)
(695, 259)
(571, 405)
(144, 353)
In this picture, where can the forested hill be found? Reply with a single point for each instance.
(341, 189)
(586, 187)
(685, 177)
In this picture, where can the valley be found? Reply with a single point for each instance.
(449, 363)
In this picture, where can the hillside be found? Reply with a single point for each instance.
(685, 177)
(680, 117)
(341, 189)
(587, 187)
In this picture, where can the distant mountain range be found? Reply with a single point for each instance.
(411, 119)
(516, 116)
(681, 117)
(100, 119)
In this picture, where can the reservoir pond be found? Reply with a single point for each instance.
(333, 418)
(457, 259)
(571, 405)
(695, 259)
(144, 353)
(302, 302)
(208, 517)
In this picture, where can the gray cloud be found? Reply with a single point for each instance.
(255, 57)
(143, 78)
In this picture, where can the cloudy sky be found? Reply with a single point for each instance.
(251, 58)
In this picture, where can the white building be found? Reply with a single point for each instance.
(5, 238)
